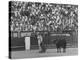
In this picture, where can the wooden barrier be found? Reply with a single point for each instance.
(20, 42)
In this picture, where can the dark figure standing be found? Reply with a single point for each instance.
(61, 44)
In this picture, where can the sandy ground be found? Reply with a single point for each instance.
(36, 54)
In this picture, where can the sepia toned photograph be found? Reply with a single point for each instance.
(39, 29)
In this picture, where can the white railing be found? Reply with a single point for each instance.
(60, 34)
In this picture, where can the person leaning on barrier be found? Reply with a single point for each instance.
(39, 40)
(41, 43)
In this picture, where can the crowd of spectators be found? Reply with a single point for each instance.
(36, 16)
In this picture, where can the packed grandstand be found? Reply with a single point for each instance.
(35, 16)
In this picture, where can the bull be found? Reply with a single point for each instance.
(60, 43)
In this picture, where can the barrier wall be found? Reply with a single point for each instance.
(19, 42)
